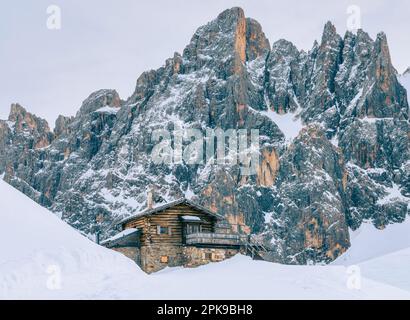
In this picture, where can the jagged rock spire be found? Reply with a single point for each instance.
(230, 34)
(329, 32)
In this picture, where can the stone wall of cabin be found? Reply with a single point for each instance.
(196, 257)
(151, 257)
(157, 257)
(168, 218)
(133, 253)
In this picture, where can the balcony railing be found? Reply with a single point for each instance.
(214, 238)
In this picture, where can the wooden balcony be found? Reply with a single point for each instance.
(215, 239)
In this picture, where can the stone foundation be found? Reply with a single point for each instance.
(155, 258)
(130, 252)
(199, 256)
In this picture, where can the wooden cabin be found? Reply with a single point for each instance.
(180, 233)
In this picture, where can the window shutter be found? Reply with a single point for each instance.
(169, 230)
(158, 229)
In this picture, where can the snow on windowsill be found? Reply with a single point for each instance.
(190, 218)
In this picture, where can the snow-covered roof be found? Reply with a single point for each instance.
(120, 235)
(169, 205)
(190, 218)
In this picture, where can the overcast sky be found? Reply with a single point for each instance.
(108, 43)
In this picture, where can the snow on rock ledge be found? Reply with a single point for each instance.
(108, 109)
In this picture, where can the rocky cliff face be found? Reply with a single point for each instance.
(349, 162)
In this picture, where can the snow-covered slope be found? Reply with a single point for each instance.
(393, 269)
(370, 243)
(41, 257)
(289, 123)
(382, 255)
(243, 278)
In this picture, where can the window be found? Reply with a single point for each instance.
(207, 256)
(218, 256)
(163, 230)
(194, 228)
(164, 259)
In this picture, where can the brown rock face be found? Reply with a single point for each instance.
(26, 138)
(257, 44)
(219, 198)
(384, 69)
(268, 168)
(310, 187)
(313, 234)
(240, 42)
(26, 122)
(62, 125)
(386, 98)
(250, 41)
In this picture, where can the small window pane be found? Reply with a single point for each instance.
(193, 228)
(163, 230)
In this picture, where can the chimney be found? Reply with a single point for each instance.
(150, 198)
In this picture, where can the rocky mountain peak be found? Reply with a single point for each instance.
(26, 121)
(16, 111)
(256, 42)
(381, 48)
(230, 17)
(227, 43)
(329, 33)
(283, 46)
(99, 99)
(331, 44)
(329, 29)
(62, 125)
(363, 36)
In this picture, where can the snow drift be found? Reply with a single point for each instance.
(382, 255)
(43, 257)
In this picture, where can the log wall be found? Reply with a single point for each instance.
(169, 218)
(158, 251)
